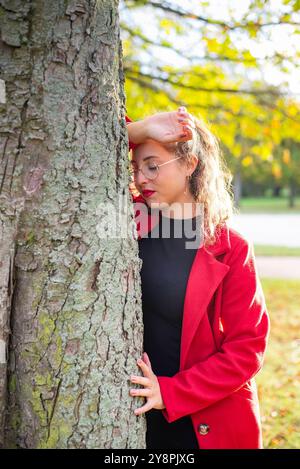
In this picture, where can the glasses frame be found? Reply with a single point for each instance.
(157, 167)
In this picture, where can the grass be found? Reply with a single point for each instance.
(268, 205)
(279, 380)
(263, 250)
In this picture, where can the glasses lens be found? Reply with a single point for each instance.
(150, 170)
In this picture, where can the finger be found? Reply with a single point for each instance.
(140, 392)
(182, 109)
(183, 120)
(140, 380)
(141, 410)
(187, 129)
(186, 115)
(182, 115)
(147, 360)
(186, 119)
(185, 137)
(145, 369)
(179, 137)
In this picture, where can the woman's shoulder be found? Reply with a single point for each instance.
(229, 240)
(238, 239)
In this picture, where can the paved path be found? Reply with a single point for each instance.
(280, 229)
(278, 267)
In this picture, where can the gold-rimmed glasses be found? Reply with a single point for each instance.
(148, 168)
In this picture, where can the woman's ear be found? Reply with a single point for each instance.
(193, 162)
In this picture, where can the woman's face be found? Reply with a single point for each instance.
(170, 183)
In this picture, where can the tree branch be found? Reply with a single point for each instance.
(177, 102)
(206, 58)
(167, 7)
(272, 92)
(135, 33)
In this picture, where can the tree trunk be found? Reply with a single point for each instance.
(277, 191)
(292, 193)
(237, 187)
(69, 296)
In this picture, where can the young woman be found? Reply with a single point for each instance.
(205, 319)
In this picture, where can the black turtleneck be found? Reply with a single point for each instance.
(167, 261)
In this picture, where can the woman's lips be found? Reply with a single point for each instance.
(148, 193)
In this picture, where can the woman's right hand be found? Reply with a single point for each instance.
(169, 127)
(164, 127)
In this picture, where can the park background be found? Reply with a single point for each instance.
(236, 65)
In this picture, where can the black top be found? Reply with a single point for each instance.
(167, 262)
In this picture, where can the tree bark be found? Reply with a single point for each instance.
(69, 297)
(292, 193)
(237, 187)
(277, 191)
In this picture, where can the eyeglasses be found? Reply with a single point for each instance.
(148, 168)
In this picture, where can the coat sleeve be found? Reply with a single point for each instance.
(132, 145)
(245, 324)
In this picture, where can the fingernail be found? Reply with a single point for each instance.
(139, 362)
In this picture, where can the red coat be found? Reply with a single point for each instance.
(224, 335)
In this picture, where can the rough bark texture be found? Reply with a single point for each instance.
(70, 299)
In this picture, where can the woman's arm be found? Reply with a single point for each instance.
(246, 327)
(164, 127)
(137, 132)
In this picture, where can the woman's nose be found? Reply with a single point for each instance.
(140, 178)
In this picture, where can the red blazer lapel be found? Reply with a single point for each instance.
(205, 276)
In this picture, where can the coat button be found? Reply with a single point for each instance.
(203, 429)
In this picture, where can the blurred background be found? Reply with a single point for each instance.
(237, 65)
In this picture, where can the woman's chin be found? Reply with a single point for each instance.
(154, 203)
(158, 205)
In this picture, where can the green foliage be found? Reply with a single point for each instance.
(219, 79)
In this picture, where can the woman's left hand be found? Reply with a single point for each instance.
(151, 390)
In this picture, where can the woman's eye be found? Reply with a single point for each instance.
(152, 168)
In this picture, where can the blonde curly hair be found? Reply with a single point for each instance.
(210, 182)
